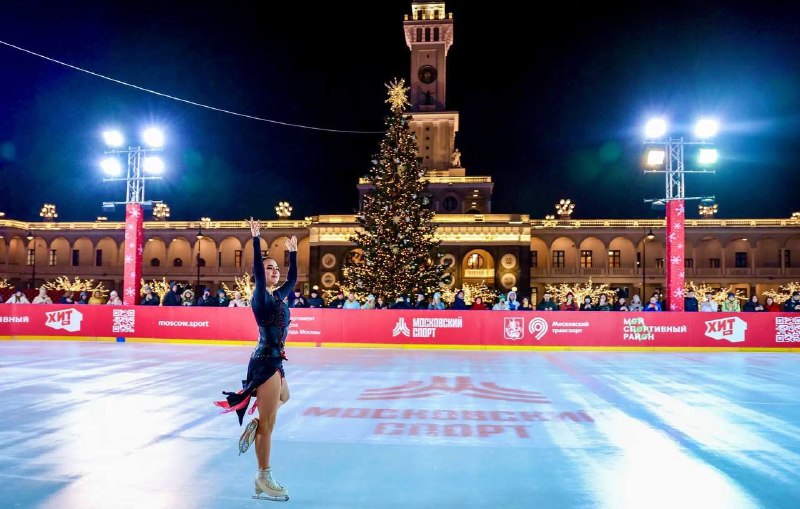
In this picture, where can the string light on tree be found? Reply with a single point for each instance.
(4, 283)
(397, 234)
(471, 292)
(48, 212)
(580, 291)
(719, 295)
(708, 210)
(244, 285)
(283, 209)
(63, 283)
(784, 292)
(161, 211)
(159, 288)
(564, 208)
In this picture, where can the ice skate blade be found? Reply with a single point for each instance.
(248, 436)
(264, 496)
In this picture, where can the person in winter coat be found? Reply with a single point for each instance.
(315, 301)
(771, 306)
(97, 298)
(207, 299)
(222, 299)
(753, 305)
(150, 298)
(83, 298)
(18, 298)
(459, 303)
(690, 302)
(173, 296)
(42, 298)
(113, 299)
(437, 302)
(731, 304)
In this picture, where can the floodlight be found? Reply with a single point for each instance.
(153, 137)
(655, 128)
(113, 138)
(153, 165)
(111, 166)
(707, 156)
(655, 157)
(706, 128)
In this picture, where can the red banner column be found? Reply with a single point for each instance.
(676, 249)
(134, 236)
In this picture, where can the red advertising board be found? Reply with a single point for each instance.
(476, 329)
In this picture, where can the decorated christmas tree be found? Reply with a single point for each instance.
(400, 252)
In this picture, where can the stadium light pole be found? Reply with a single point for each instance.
(666, 155)
(141, 167)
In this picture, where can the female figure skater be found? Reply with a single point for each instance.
(265, 376)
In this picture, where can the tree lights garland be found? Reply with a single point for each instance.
(471, 292)
(159, 288)
(397, 235)
(719, 295)
(244, 285)
(784, 292)
(580, 292)
(63, 283)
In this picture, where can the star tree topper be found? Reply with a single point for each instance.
(398, 95)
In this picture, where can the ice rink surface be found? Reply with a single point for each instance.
(118, 425)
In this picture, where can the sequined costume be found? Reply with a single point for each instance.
(272, 317)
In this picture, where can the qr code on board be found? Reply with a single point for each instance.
(124, 320)
(787, 329)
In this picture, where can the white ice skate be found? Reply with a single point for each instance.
(268, 489)
(248, 436)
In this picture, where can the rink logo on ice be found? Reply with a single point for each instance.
(425, 327)
(729, 329)
(513, 328)
(462, 385)
(64, 319)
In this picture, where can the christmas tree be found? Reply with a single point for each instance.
(400, 251)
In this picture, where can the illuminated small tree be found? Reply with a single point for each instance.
(719, 294)
(580, 291)
(63, 283)
(471, 292)
(244, 285)
(4, 283)
(159, 288)
(784, 292)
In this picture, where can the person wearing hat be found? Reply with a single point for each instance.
(437, 302)
(709, 305)
(42, 298)
(97, 298)
(400, 302)
(792, 305)
(338, 302)
(351, 302)
(222, 299)
(173, 296)
(369, 303)
(296, 300)
(421, 302)
(690, 302)
(731, 304)
(83, 298)
(18, 298)
(501, 304)
(569, 303)
(315, 301)
(150, 298)
(512, 302)
(113, 299)
(206, 299)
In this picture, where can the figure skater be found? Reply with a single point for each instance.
(266, 378)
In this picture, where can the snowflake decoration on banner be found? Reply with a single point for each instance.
(681, 209)
(132, 274)
(135, 213)
(129, 292)
(681, 274)
(673, 307)
(673, 237)
(679, 246)
(131, 245)
(128, 259)
(678, 293)
(675, 260)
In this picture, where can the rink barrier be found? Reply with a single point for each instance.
(337, 328)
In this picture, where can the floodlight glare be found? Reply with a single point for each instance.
(706, 128)
(707, 156)
(113, 138)
(655, 157)
(153, 137)
(153, 165)
(111, 166)
(655, 128)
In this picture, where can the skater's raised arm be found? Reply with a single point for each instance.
(258, 263)
(291, 276)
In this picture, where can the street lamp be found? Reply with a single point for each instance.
(200, 238)
(649, 236)
(142, 166)
(31, 238)
(161, 211)
(564, 208)
(667, 156)
(48, 212)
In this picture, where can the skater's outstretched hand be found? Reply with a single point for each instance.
(291, 244)
(255, 226)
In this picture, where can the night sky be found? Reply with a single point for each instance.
(551, 105)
